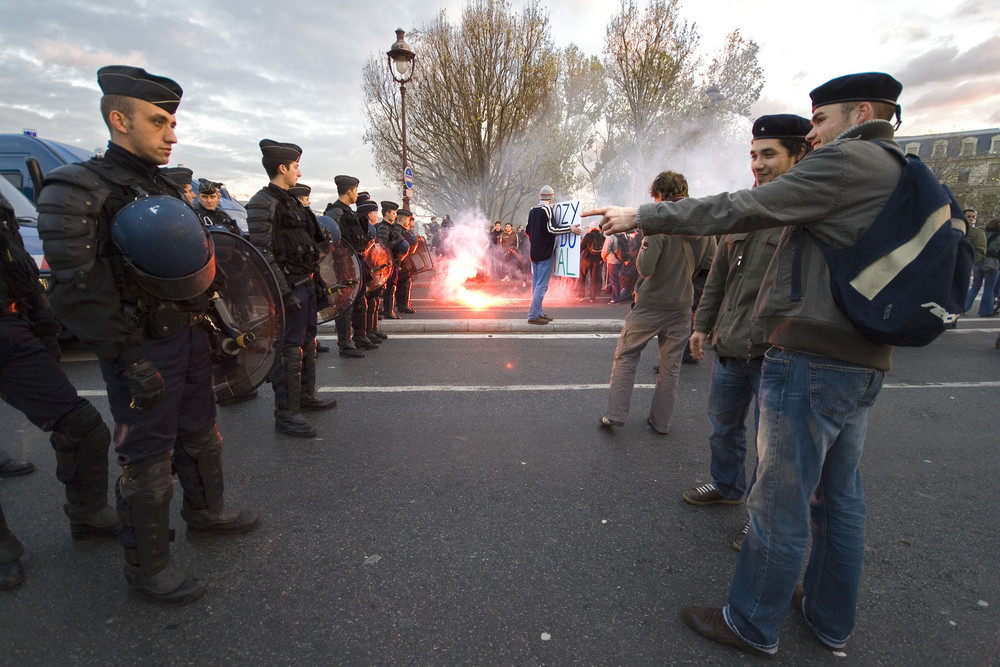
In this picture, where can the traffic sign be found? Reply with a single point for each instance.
(408, 177)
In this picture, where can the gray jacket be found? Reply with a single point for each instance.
(836, 192)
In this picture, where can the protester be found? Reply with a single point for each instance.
(543, 233)
(666, 265)
(819, 378)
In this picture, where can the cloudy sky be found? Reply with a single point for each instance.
(252, 69)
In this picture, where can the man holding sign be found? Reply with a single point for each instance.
(543, 230)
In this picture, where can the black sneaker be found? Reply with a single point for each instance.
(707, 494)
(740, 536)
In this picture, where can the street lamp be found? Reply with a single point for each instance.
(401, 63)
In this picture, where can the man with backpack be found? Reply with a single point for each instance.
(821, 374)
(615, 253)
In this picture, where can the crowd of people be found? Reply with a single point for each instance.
(793, 358)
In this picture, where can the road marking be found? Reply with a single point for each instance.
(440, 388)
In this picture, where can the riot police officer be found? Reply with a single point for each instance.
(289, 236)
(181, 176)
(391, 235)
(207, 208)
(132, 264)
(32, 381)
(354, 231)
(404, 219)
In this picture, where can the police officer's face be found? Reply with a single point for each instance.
(769, 159)
(209, 202)
(289, 174)
(148, 132)
(189, 194)
(390, 216)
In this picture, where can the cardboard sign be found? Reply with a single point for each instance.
(564, 215)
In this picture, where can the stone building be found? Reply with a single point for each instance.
(967, 162)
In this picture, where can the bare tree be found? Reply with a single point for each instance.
(477, 109)
(650, 60)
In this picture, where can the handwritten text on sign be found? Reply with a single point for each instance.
(565, 215)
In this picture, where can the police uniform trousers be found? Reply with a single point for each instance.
(403, 287)
(300, 328)
(389, 295)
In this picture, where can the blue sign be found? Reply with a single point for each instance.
(408, 178)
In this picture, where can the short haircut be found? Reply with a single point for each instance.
(669, 184)
(119, 103)
(881, 110)
(343, 188)
(968, 210)
(271, 166)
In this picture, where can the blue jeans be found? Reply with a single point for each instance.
(615, 280)
(813, 419)
(733, 388)
(986, 280)
(541, 272)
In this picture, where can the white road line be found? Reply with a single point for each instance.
(442, 388)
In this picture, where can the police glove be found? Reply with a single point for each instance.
(291, 303)
(145, 384)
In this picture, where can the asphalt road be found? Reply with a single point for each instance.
(463, 507)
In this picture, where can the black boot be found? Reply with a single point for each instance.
(288, 417)
(347, 347)
(11, 571)
(309, 401)
(144, 493)
(198, 460)
(81, 443)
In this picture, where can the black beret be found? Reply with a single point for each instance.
(179, 175)
(140, 84)
(403, 213)
(363, 196)
(865, 87)
(299, 190)
(781, 126)
(346, 181)
(207, 187)
(389, 206)
(275, 150)
(367, 206)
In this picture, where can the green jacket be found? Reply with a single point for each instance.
(666, 265)
(731, 293)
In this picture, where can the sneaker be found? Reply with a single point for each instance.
(740, 536)
(707, 494)
(607, 423)
(538, 320)
(547, 318)
(710, 624)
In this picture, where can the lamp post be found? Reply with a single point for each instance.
(401, 64)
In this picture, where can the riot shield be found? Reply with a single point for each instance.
(420, 260)
(246, 317)
(340, 281)
(378, 259)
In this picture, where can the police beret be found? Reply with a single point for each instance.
(389, 206)
(865, 87)
(781, 126)
(275, 150)
(179, 175)
(207, 187)
(363, 196)
(346, 181)
(403, 213)
(299, 190)
(367, 206)
(140, 84)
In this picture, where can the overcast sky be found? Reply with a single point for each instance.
(252, 70)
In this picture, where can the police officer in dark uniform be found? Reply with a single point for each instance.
(32, 381)
(391, 235)
(289, 236)
(207, 208)
(132, 264)
(181, 176)
(367, 210)
(404, 219)
(354, 231)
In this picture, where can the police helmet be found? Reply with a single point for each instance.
(330, 225)
(165, 247)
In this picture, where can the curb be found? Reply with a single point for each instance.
(405, 326)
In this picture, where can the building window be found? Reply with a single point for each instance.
(940, 148)
(913, 148)
(969, 146)
(963, 175)
(995, 145)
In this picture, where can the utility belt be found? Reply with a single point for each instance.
(163, 319)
